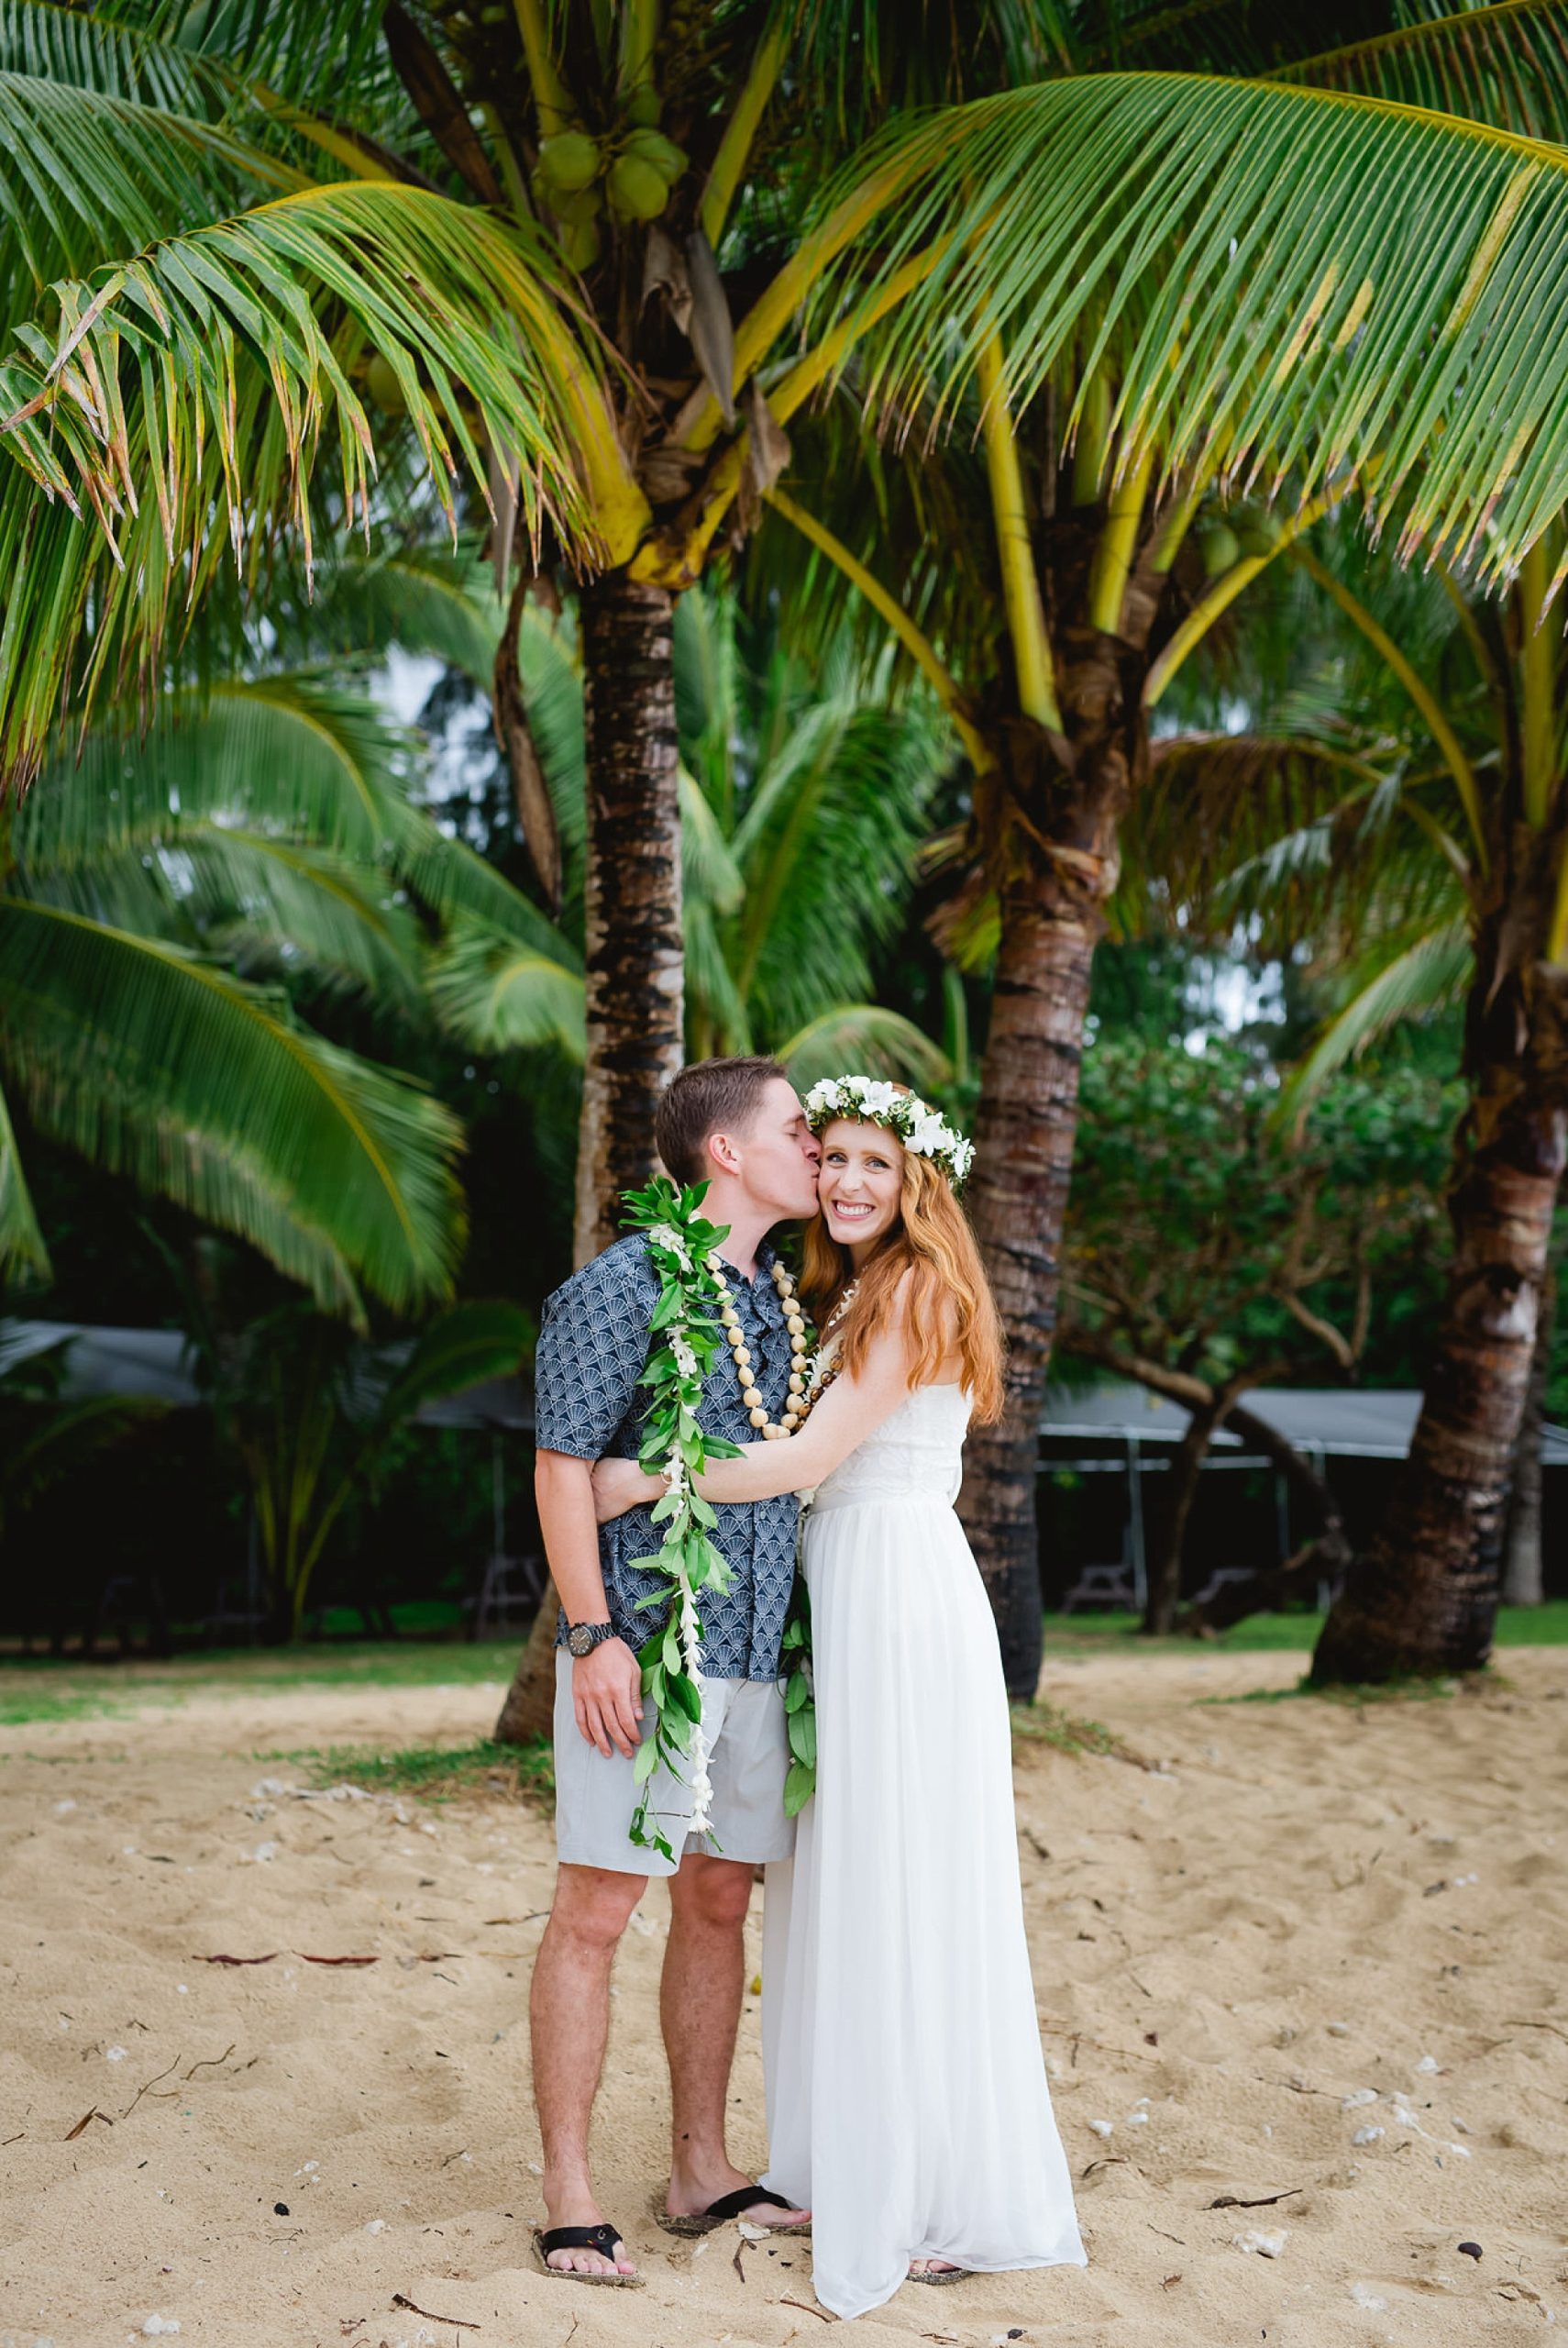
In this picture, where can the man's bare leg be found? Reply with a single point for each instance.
(700, 2004)
(569, 2018)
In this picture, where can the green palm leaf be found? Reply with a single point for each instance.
(1507, 65)
(499, 994)
(162, 1067)
(1426, 974)
(867, 1039)
(22, 1250)
(300, 752)
(1277, 279)
(471, 1343)
(280, 903)
(186, 399)
(425, 599)
(86, 51)
(78, 167)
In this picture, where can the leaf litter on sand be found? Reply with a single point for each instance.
(1043, 1723)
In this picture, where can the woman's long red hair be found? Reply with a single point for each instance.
(950, 1306)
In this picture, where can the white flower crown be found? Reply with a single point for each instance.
(918, 1125)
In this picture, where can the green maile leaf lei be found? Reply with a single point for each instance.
(685, 1326)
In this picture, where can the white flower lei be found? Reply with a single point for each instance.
(919, 1126)
(686, 1334)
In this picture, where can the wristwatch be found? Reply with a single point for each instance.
(583, 1637)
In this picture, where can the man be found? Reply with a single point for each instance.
(738, 1125)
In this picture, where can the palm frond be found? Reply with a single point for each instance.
(75, 48)
(499, 994)
(1289, 284)
(157, 1065)
(276, 903)
(1405, 982)
(472, 1342)
(710, 873)
(864, 1038)
(551, 672)
(828, 854)
(1215, 801)
(23, 1255)
(184, 404)
(711, 994)
(460, 888)
(298, 751)
(1507, 65)
(79, 170)
(430, 599)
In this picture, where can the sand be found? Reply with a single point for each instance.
(1307, 1926)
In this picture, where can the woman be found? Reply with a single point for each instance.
(908, 2106)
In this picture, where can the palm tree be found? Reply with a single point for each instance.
(163, 900)
(1052, 564)
(1437, 860)
(1299, 283)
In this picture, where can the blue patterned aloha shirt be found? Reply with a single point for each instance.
(593, 1347)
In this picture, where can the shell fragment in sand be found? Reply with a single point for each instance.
(1263, 2245)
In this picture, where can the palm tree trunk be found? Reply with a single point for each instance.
(631, 913)
(1524, 1581)
(1424, 1597)
(634, 965)
(1059, 805)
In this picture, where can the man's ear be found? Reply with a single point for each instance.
(722, 1154)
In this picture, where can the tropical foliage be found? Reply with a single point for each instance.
(173, 904)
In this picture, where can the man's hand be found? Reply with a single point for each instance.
(621, 1484)
(607, 1697)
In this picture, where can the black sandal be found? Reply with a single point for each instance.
(947, 2274)
(728, 2206)
(600, 2238)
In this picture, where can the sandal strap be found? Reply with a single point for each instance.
(601, 2238)
(746, 2197)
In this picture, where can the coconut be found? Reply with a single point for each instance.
(568, 161)
(1219, 547)
(382, 383)
(1259, 536)
(638, 190)
(579, 242)
(643, 107)
(652, 147)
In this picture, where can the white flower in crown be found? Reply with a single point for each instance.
(880, 1098)
(930, 1135)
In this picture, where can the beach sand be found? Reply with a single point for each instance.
(1306, 1923)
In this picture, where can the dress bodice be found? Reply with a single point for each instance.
(916, 1454)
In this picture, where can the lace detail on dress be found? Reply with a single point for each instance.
(917, 1455)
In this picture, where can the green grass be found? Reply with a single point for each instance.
(38, 1687)
(433, 1772)
(1518, 1626)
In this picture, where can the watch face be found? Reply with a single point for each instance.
(580, 1639)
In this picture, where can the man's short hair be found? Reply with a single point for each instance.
(709, 1097)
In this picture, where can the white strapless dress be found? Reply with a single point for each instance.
(907, 2101)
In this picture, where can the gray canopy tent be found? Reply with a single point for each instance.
(1321, 1422)
(1136, 1430)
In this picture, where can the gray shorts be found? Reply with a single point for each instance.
(748, 1762)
